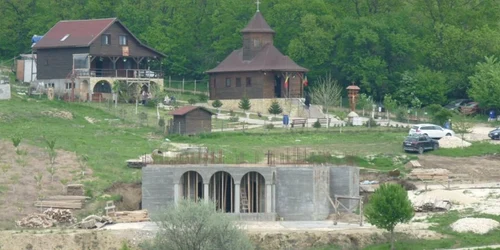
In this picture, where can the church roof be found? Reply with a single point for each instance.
(269, 58)
(257, 24)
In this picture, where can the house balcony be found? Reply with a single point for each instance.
(120, 74)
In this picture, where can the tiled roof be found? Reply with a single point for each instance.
(269, 58)
(258, 24)
(186, 109)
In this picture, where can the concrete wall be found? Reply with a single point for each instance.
(302, 193)
(5, 92)
(157, 188)
(344, 181)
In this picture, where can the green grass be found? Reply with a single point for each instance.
(476, 149)
(453, 239)
(107, 143)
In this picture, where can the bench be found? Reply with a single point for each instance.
(324, 121)
(298, 122)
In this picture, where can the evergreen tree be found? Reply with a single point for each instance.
(275, 108)
(217, 104)
(245, 104)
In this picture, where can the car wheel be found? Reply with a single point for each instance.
(420, 150)
(436, 146)
(448, 134)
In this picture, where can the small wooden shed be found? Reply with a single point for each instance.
(189, 120)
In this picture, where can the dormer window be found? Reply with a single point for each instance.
(64, 38)
(123, 40)
(106, 39)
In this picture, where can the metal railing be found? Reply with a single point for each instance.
(120, 73)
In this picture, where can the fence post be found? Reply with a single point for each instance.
(169, 82)
(208, 87)
(195, 86)
(183, 85)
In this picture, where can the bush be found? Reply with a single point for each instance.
(371, 123)
(275, 108)
(234, 119)
(196, 225)
(269, 126)
(192, 101)
(401, 115)
(441, 116)
(317, 124)
(217, 104)
(161, 123)
(202, 98)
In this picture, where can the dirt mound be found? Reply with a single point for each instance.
(130, 196)
(58, 114)
(454, 196)
(452, 142)
(474, 225)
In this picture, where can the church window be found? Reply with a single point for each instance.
(249, 81)
(238, 82)
(228, 82)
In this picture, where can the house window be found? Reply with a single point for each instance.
(69, 85)
(238, 82)
(249, 81)
(123, 40)
(106, 39)
(81, 61)
(49, 85)
(228, 82)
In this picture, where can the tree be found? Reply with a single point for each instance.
(485, 83)
(390, 105)
(217, 104)
(326, 92)
(365, 102)
(245, 104)
(275, 108)
(389, 206)
(196, 225)
(461, 126)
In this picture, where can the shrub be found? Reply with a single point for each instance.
(202, 98)
(401, 115)
(192, 101)
(275, 108)
(234, 119)
(371, 123)
(245, 104)
(269, 126)
(196, 225)
(161, 123)
(217, 104)
(317, 124)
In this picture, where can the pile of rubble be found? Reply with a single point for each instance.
(48, 218)
(453, 142)
(94, 221)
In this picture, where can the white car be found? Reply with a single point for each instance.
(431, 130)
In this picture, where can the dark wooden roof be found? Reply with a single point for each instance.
(258, 24)
(80, 33)
(269, 58)
(186, 109)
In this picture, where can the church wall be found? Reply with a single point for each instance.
(219, 89)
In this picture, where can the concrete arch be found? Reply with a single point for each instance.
(191, 186)
(222, 191)
(253, 193)
(102, 86)
(84, 90)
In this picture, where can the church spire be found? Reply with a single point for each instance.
(258, 5)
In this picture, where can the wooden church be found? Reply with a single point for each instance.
(258, 70)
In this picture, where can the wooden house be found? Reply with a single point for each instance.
(258, 69)
(84, 57)
(189, 120)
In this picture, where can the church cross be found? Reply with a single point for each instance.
(258, 4)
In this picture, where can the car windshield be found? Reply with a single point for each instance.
(415, 127)
(412, 138)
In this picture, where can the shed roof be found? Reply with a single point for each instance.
(258, 24)
(80, 33)
(269, 58)
(186, 109)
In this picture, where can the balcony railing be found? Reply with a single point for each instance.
(120, 73)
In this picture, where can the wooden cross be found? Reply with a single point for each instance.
(258, 4)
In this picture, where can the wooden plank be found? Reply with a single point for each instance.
(59, 205)
(67, 197)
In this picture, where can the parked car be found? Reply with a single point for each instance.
(494, 134)
(419, 143)
(433, 131)
(469, 108)
(456, 104)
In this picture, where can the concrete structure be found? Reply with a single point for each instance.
(5, 92)
(252, 192)
(26, 68)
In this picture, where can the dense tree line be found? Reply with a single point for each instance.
(425, 49)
